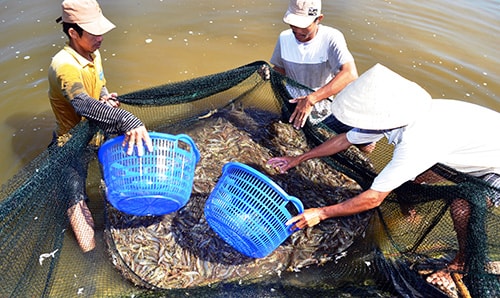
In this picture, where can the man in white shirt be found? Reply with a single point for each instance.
(317, 57)
(424, 131)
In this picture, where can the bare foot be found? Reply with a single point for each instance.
(368, 148)
(446, 279)
(442, 280)
(413, 217)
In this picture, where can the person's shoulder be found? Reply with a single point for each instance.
(61, 57)
(328, 30)
(287, 32)
(66, 56)
(61, 53)
(460, 106)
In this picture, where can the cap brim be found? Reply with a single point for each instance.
(99, 27)
(380, 99)
(298, 21)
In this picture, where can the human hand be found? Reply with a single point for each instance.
(113, 95)
(308, 218)
(137, 137)
(264, 72)
(301, 112)
(111, 100)
(283, 163)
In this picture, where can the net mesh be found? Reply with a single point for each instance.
(239, 116)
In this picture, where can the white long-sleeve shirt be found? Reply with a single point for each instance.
(458, 134)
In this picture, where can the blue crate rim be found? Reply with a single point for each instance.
(246, 245)
(153, 135)
(264, 178)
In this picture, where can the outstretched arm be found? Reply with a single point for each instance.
(111, 119)
(366, 200)
(331, 146)
(347, 74)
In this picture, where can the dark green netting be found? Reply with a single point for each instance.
(390, 256)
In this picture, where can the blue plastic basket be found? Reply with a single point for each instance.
(156, 183)
(249, 211)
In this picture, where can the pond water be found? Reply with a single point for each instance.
(448, 47)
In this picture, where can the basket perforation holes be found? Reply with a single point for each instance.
(249, 211)
(156, 183)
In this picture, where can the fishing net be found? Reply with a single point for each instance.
(238, 115)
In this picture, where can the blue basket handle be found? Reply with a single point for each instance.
(296, 202)
(300, 208)
(187, 139)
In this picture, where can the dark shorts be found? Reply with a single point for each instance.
(493, 179)
(338, 127)
(76, 182)
(76, 178)
(335, 125)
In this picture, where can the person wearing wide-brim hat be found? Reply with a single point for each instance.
(424, 132)
(77, 91)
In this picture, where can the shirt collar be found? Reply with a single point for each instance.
(81, 60)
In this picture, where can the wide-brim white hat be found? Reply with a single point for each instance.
(380, 99)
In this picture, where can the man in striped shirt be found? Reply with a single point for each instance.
(77, 91)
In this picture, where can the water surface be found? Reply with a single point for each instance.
(448, 47)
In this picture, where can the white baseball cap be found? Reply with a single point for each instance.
(301, 13)
(87, 14)
(380, 99)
